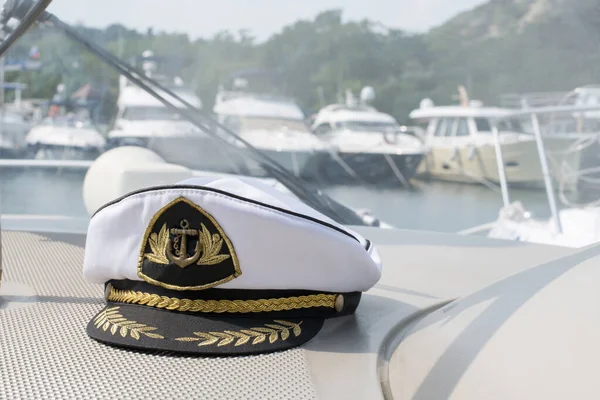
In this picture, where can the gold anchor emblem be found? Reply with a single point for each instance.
(179, 244)
(172, 250)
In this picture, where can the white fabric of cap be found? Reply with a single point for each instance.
(275, 250)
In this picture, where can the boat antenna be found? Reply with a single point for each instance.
(463, 96)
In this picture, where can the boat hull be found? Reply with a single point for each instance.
(204, 153)
(345, 167)
(11, 152)
(51, 152)
(195, 152)
(201, 153)
(521, 160)
(295, 161)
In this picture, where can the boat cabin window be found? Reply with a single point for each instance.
(463, 127)
(504, 125)
(146, 113)
(510, 125)
(444, 127)
(440, 129)
(483, 125)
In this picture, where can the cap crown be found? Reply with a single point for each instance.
(225, 233)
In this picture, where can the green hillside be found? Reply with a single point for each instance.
(501, 46)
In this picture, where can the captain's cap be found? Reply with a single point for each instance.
(222, 266)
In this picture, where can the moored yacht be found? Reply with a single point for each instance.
(64, 137)
(273, 124)
(461, 141)
(367, 144)
(67, 132)
(144, 121)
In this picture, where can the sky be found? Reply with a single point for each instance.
(204, 18)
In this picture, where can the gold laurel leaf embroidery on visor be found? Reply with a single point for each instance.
(279, 329)
(222, 306)
(111, 318)
(211, 245)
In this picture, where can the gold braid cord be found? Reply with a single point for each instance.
(222, 306)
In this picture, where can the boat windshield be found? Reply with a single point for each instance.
(150, 113)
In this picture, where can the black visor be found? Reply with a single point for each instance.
(213, 322)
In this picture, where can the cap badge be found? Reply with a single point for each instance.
(184, 248)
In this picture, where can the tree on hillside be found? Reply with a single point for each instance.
(493, 49)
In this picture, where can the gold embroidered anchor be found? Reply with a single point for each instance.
(180, 258)
(180, 237)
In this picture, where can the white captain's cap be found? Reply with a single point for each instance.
(221, 266)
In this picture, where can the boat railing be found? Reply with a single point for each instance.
(532, 100)
(533, 114)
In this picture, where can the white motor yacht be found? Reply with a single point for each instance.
(273, 124)
(461, 141)
(367, 145)
(67, 132)
(144, 121)
(64, 138)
